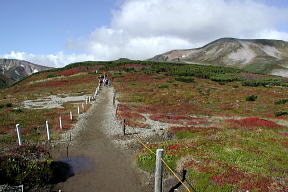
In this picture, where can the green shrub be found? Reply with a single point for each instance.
(17, 110)
(265, 82)
(281, 101)
(163, 86)
(226, 77)
(128, 69)
(52, 75)
(28, 165)
(251, 98)
(7, 105)
(185, 79)
(280, 113)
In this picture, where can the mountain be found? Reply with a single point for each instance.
(13, 70)
(253, 55)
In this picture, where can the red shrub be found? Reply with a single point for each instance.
(202, 166)
(130, 116)
(22, 131)
(245, 181)
(194, 129)
(49, 114)
(65, 118)
(174, 147)
(33, 127)
(281, 117)
(178, 119)
(283, 133)
(69, 72)
(5, 130)
(253, 122)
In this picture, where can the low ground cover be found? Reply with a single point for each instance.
(246, 153)
(243, 148)
(32, 120)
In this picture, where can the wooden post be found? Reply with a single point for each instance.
(124, 127)
(67, 151)
(48, 131)
(158, 170)
(78, 111)
(71, 116)
(60, 122)
(19, 134)
(89, 99)
(83, 106)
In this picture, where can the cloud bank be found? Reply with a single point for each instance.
(143, 28)
(53, 60)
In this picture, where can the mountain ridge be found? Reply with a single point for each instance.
(253, 55)
(14, 70)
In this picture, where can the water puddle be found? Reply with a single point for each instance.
(78, 164)
(68, 167)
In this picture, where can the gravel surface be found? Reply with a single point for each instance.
(52, 101)
(111, 169)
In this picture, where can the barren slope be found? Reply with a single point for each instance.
(261, 56)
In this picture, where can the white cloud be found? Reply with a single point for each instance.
(272, 34)
(52, 60)
(140, 29)
(143, 28)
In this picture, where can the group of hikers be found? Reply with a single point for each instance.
(103, 79)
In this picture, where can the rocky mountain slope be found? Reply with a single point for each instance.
(13, 70)
(258, 55)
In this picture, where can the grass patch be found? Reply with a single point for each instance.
(281, 101)
(251, 98)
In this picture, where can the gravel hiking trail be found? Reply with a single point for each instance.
(107, 168)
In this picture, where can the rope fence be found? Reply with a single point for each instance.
(138, 139)
(48, 125)
(166, 165)
(152, 152)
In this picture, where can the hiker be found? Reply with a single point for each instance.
(100, 79)
(105, 75)
(107, 82)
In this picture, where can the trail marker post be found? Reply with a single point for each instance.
(83, 106)
(158, 171)
(71, 116)
(114, 99)
(48, 131)
(60, 122)
(89, 99)
(18, 129)
(124, 127)
(78, 111)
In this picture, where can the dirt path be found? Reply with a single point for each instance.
(108, 168)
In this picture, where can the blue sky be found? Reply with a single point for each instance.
(58, 32)
(44, 26)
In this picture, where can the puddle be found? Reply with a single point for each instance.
(78, 164)
(68, 167)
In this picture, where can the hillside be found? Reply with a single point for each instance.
(13, 70)
(227, 128)
(259, 55)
